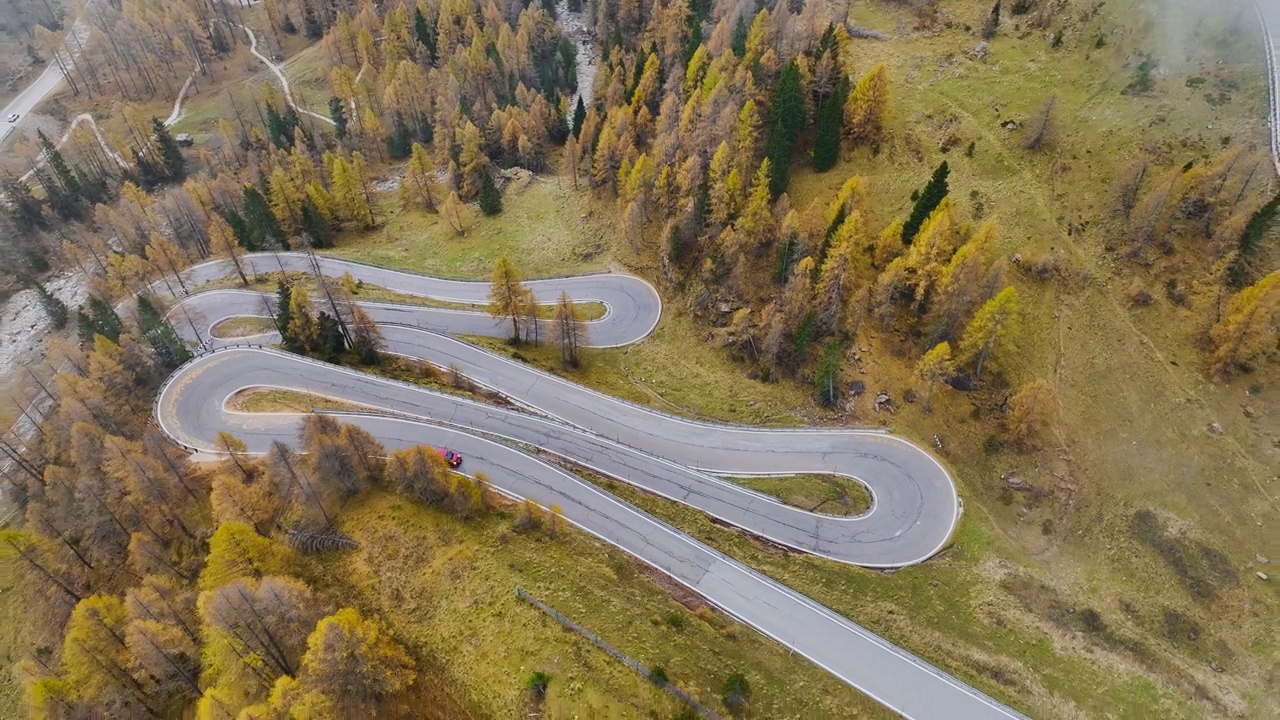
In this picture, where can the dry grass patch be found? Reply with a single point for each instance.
(448, 589)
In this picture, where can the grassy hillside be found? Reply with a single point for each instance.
(1121, 579)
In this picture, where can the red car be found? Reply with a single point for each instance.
(451, 457)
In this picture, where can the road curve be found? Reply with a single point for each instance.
(915, 501)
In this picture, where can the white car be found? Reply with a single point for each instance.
(13, 117)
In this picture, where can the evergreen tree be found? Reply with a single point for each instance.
(992, 22)
(23, 208)
(314, 226)
(104, 319)
(400, 141)
(1250, 242)
(169, 349)
(426, 34)
(284, 314)
(311, 26)
(827, 380)
(826, 141)
(338, 114)
(927, 202)
(56, 309)
(170, 154)
(332, 342)
(260, 222)
(579, 117)
(288, 27)
(84, 329)
(244, 236)
(490, 196)
(786, 117)
(69, 181)
(738, 43)
(278, 131)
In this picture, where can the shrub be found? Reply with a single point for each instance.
(537, 684)
(736, 694)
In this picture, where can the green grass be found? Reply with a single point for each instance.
(540, 229)
(447, 587)
(819, 493)
(269, 400)
(238, 327)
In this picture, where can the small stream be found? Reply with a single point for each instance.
(574, 26)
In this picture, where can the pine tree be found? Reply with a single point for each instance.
(827, 380)
(329, 337)
(68, 179)
(104, 319)
(170, 154)
(490, 196)
(23, 208)
(260, 222)
(425, 32)
(934, 366)
(738, 42)
(55, 308)
(400, 141)
(284, 313)
(865, 110)
(84, 329)
(990, 334)
(169, 349)
(830, 130)
(786, 117)
(311, 26)
(928, 201)
(579, 117)
(246, 237)
(314, 226)
(338, 114)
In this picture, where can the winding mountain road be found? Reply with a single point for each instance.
(915, 502)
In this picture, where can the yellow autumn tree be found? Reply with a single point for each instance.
(303, 332)
(934, 366)
(756, 227)
(1029, 413)
(991, 333)
(355, 660)
(866, 107)
(1248, 327)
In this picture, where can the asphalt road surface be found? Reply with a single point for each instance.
(915, 503)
